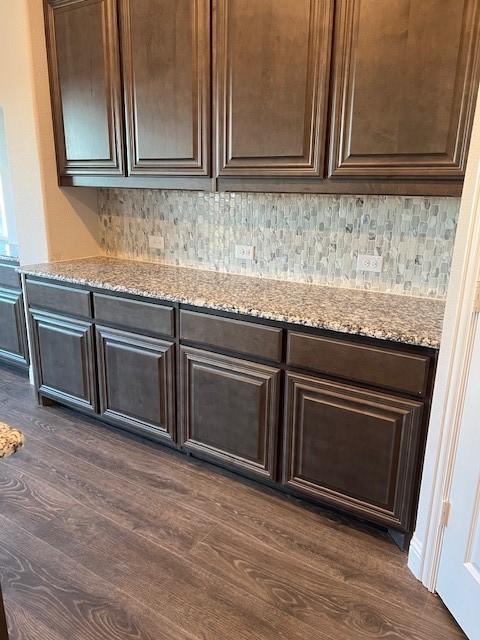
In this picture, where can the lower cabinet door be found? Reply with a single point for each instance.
(352, 448)
(64, 359)
(136, 382)
(230, 410)
(13, 341)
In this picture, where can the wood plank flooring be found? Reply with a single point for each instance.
(104, 536)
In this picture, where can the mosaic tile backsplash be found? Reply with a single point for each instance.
(305, 238)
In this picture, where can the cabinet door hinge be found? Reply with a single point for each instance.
(446, 508)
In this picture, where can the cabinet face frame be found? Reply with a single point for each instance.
(88, 167)
(84, 332)
(311, 163)
(20, 357)
(258, 374)
(408, 413)
(416, 166)
(199, 164)
(165, 352)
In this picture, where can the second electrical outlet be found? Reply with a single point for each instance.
(244, 252)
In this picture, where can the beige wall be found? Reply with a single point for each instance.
(52, 223)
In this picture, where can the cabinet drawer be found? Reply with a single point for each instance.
(75, 302)
(232, 335)
(144, 317)
(363, 363)
(9, 276)
(352, 448)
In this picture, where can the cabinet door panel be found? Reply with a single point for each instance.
(136, 381)
(404, 88)
(64, 359)
(13, 340)
(166, 62)
(352, 448)
(82, 40)
(271, 86)
(230, 410)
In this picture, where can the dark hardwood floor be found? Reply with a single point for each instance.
(104, 536)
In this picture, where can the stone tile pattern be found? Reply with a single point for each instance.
(378, 315)
(304, 238)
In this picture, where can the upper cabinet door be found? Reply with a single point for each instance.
(166, 66)
(85, 83)
(272, 71)
(404, 87)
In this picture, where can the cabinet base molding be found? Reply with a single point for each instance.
(47, 400)
(402, 540)
(12, 360)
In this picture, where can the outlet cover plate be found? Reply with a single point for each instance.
(370, 263)
(156, 242)
(244, 252)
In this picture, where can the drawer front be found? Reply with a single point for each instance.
(143, 317)
(232, 335)
(352, 448)
(75, 302)
(9, 276)
(405, 372)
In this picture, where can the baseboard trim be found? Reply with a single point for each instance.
(415, 557)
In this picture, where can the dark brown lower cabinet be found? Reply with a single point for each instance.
(136, 381)
(64, 359)
(352, 448)
(230, 410)
(13, 338)
(344, 444)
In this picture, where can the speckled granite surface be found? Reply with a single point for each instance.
(379, 315)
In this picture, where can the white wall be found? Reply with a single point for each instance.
(52, 223)
(425, 547)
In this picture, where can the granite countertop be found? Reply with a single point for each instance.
(385, 316)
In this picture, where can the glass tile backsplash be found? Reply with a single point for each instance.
(307, 238)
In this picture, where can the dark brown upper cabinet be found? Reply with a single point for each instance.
(405, 78)
(82, 43)
(321, 96)
(271, 79)
(166, 72)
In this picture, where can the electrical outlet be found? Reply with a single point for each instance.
(244, 252)
(156, 242)
(370, 263)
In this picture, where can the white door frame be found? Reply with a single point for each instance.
(452, 370)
